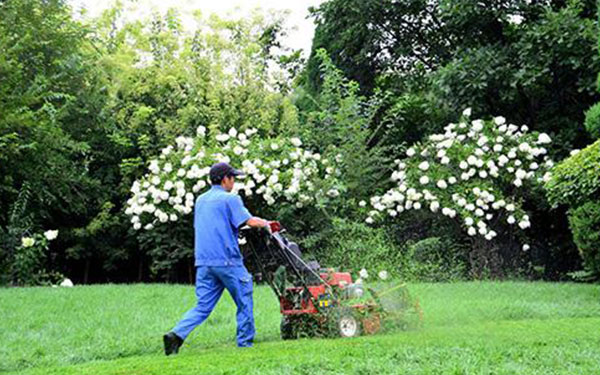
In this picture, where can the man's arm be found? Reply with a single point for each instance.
(257, 222)
(241, 216)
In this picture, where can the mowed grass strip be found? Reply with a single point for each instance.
(552, 346)
(470, 327)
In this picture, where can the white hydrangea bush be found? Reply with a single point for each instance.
(473, 172)
(278, 171)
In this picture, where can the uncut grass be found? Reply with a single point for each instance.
(44, 327)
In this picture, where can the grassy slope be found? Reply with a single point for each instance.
(470, 328)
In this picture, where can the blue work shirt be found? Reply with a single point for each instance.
(217, 218)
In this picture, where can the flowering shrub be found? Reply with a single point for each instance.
(29, 266)
(471, 173)
(278, 170)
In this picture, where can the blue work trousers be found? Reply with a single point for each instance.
(210, 282)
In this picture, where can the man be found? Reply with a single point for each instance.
(218, 215)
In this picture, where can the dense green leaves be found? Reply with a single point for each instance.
(86, 105)
(585, 224)
(576, 179)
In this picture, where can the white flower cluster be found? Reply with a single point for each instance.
(30, 241)
(466, 172)
(275, 169)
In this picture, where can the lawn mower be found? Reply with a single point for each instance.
(314, 301)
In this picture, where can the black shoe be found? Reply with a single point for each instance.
(172, 343)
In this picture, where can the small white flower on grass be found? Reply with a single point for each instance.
(467, 112)
(67, 283)
(424, 180)
(383, 275)
(525, 247)
(424, 166)
(362, 203)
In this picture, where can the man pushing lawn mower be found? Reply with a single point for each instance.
(218, 215)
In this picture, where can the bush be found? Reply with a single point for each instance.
(576, 179)
(585, 225)
(434, 259)
(352, 245)
(30, 259)
(592, 121)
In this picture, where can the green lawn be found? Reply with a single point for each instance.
(470, 328)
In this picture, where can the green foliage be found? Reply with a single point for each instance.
(592, 121)
(86, 104)
(29, 264)
(576, 180)
(436, 50)
(46, 87)
(19, 223)
(403, 120)
(425, 59)
(585, 224)
(350, 246)
(433, 259)
(337, 112)
(531, 69)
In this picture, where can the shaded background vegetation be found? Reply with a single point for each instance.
(84, 105)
